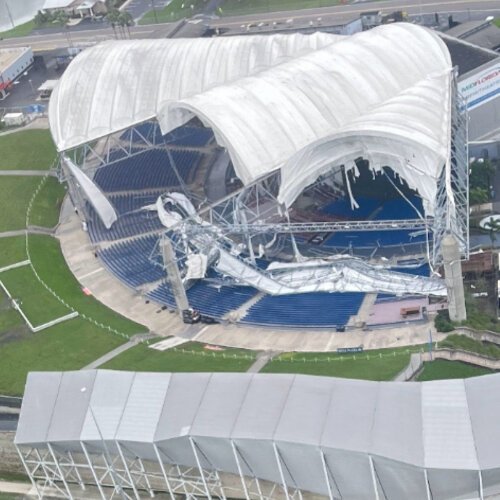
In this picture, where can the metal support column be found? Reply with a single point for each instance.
(280, 468)
(481, 489)
(59, 470)
(92, 470)
(240, 471)
(77, 472)
(374, 478)
(164, 472)
(127, 470)
(200, 469)
(32, 479)
(427, 487)
(327, 475)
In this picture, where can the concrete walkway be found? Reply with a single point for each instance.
(16, 488)
(91, 274)
(262, 359)
(24, 173)
(9, 234)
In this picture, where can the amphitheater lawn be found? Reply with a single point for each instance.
(382, 364)
(175, 10)
(49, 263)
(67, 346)
(12, 250)
(38, 304)
(15, 194)
(243, 7)
(195, 358)
(47, 204)
(27, 150)
(443, 369)
(465, 343)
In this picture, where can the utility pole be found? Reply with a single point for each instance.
(9, 14)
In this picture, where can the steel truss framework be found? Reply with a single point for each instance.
(252, 215)
(93, 468)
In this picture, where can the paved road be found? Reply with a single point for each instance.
(84, 37)
(473, 9)
(343, 13)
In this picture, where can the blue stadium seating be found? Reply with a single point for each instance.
(194, 137)
(129, 223)
(148, 170)
(207, 299)
(305, 310)
(342, 208)
(371, 239)
(129, 261)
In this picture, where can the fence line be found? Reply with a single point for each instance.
(42, 282)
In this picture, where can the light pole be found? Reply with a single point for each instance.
(118, 486)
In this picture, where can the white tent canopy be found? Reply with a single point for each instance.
(302, 103)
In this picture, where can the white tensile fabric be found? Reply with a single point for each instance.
(302, 103)
(410, 438)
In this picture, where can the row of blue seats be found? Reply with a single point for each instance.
(213, 301)
(125, 227)
(372, 239)
(319, 309)
(129, 261)
(193, 137)
(375, 208)
(147, 170)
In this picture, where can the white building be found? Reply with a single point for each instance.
(13, 63)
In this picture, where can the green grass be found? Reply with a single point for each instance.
(27, 150)
(497, 22)
(195, 359)
(15, 477)
(443, 369)
(173, 11)
(10, 496)
(465, 343)
(38, 304)
(12, 250)
(67, 346)
(242, 7)
(47, 204)
(47, 258)
(21, 30)
(15, 194)
(382, 364)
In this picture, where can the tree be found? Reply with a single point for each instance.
(125, 20)
(112, 17)
(41, 18)
(493, 227)
(61, 17)
(481, 175)
(478, 195)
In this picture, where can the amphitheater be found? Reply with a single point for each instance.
(281, 192)
(297, 186)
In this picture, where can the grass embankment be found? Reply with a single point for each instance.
(497, 22)
(27, 150)
(21, 30)
(12, 250)
(441, 369)
(175, 10)
(464, 343)
(37, 303)
(242, 7)
(49, 262)
(381, 364)
(190, 357)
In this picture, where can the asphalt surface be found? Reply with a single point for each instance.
(461, 9)
(343, 13)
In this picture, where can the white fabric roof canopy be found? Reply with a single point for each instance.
(447, 427)
(302, 103)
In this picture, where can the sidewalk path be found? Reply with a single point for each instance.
(16, 488)
(262, 359)
(24, 173)
(136, 339)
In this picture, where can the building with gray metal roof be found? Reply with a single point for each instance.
(260, 436)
